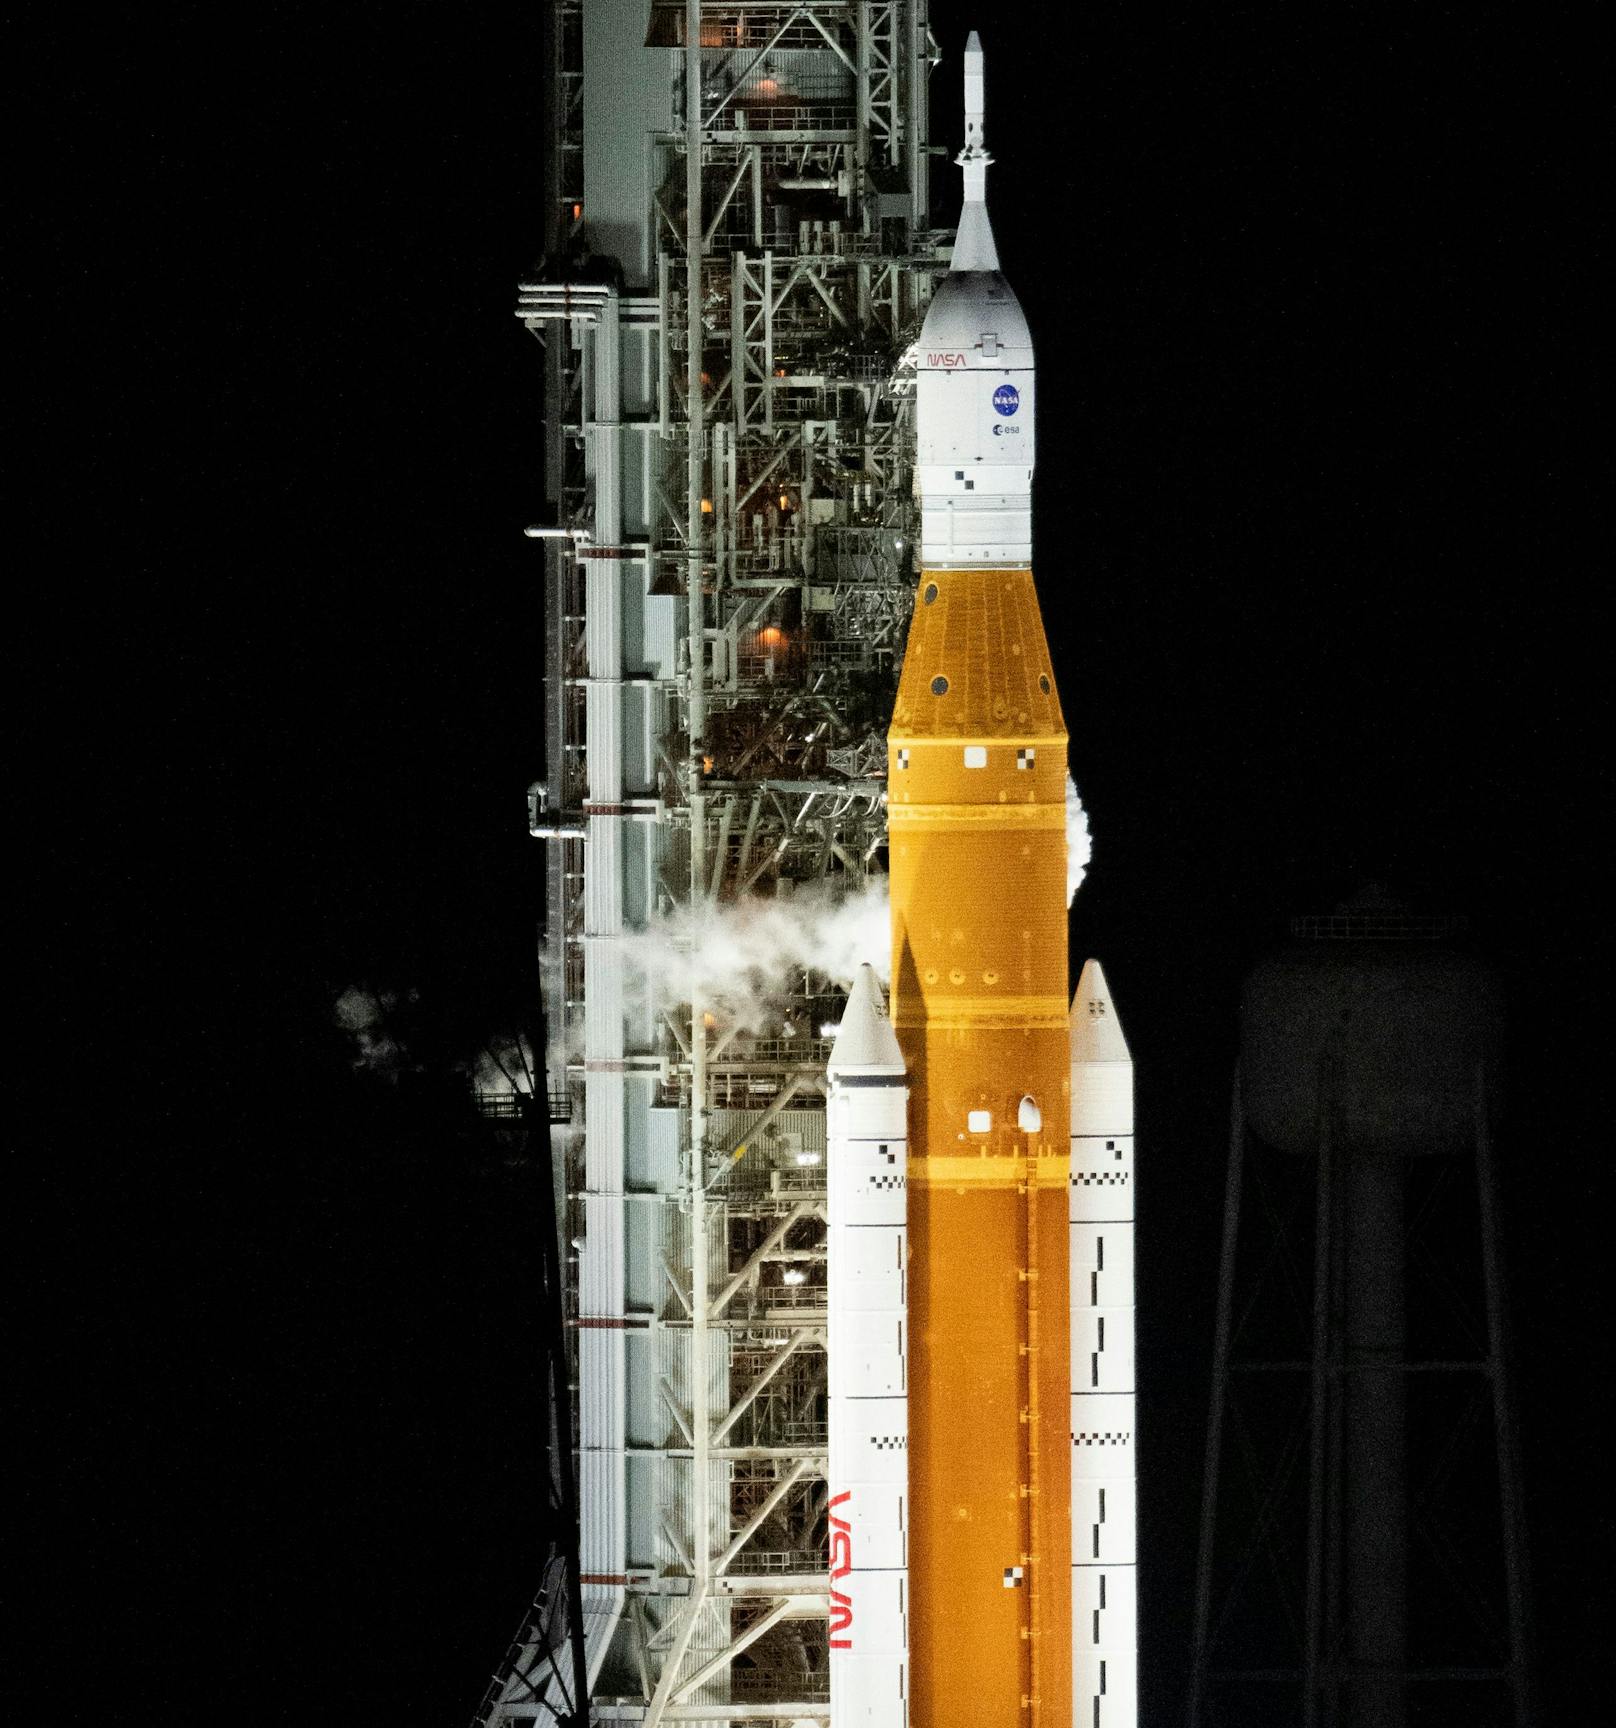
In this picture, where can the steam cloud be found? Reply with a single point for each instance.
(504, 1067)
(382, 1036)
(741, 955)
(1079, 842)
(365, 1015)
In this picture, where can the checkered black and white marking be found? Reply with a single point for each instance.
(1012, 1577)
(903, 756)
(1025, 758)
(1102, 1178)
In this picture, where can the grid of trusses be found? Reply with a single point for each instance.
(786, 292)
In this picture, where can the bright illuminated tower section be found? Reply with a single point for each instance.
(737, 254)
(976, 797)
(1104, 1531)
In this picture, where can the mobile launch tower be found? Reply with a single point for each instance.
(737, 257)
(816, 1361)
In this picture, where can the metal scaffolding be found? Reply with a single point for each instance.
(739, 256)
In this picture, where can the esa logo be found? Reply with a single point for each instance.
(1006, 399)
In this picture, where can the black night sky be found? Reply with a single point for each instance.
(1313, 291)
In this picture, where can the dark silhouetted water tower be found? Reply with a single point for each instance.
(1362, 1556)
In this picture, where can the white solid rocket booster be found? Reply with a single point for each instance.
(1104, 1534)
(867, 1358)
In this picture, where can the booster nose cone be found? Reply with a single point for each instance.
(1096, 1030)
(865, 1042)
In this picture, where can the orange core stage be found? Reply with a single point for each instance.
(976, 814)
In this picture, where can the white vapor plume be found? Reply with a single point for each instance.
(366, 1016)
(741, 955)
(1079, 843)
(504, 1067)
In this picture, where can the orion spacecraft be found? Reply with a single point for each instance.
(980, 1241)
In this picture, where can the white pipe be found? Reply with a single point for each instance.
(602, 1351)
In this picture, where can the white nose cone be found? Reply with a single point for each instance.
(974, 363)
(865, 1042)
(1096, 1030)
(1102, 1068)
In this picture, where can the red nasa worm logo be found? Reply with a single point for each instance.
(841, 1563)
(945, 359)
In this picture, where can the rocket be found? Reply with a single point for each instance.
(976, 791)
(980, 1387)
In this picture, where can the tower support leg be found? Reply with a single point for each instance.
(1517, 1583)
(1201, 1656)
(1314, 1678)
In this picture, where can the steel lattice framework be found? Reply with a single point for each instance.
(727, 579)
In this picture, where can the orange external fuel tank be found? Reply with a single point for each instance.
(976, 814)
